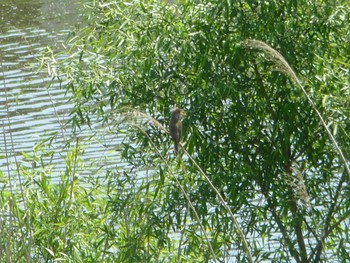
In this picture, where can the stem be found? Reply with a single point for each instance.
(181, 237)
(234, 220)
(328, 228)
(281, 227)
(185, 194)
(27, 247)
(71, 184)
(155, 123)
(293, 205)
(283, 65)
(297, 217)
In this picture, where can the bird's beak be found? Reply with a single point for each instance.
(183, 113)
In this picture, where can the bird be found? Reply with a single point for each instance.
(175, 127)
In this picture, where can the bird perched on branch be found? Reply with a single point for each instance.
(175, 127)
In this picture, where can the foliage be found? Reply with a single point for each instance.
(252, 139)
(268, 154)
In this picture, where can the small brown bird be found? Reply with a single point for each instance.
(175, 126)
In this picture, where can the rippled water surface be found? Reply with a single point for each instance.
(33, 105)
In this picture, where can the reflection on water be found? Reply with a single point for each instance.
(31, 105)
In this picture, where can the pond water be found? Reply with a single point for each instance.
(32, 105)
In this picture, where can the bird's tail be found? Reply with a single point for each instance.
(176, 144)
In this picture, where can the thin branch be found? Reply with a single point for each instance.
(234, 220)
(328, 228)
(71, 177)
(182, 235)
(184, 193)
(133, 114)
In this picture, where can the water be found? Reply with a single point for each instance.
(27, 110)
(31, 104)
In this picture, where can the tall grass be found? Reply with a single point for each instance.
(34, 207)
(282, 65)
(12, 201)
(299, 189)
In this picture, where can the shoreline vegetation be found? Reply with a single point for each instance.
(262, 172)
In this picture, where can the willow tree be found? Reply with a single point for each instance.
(262, 172)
